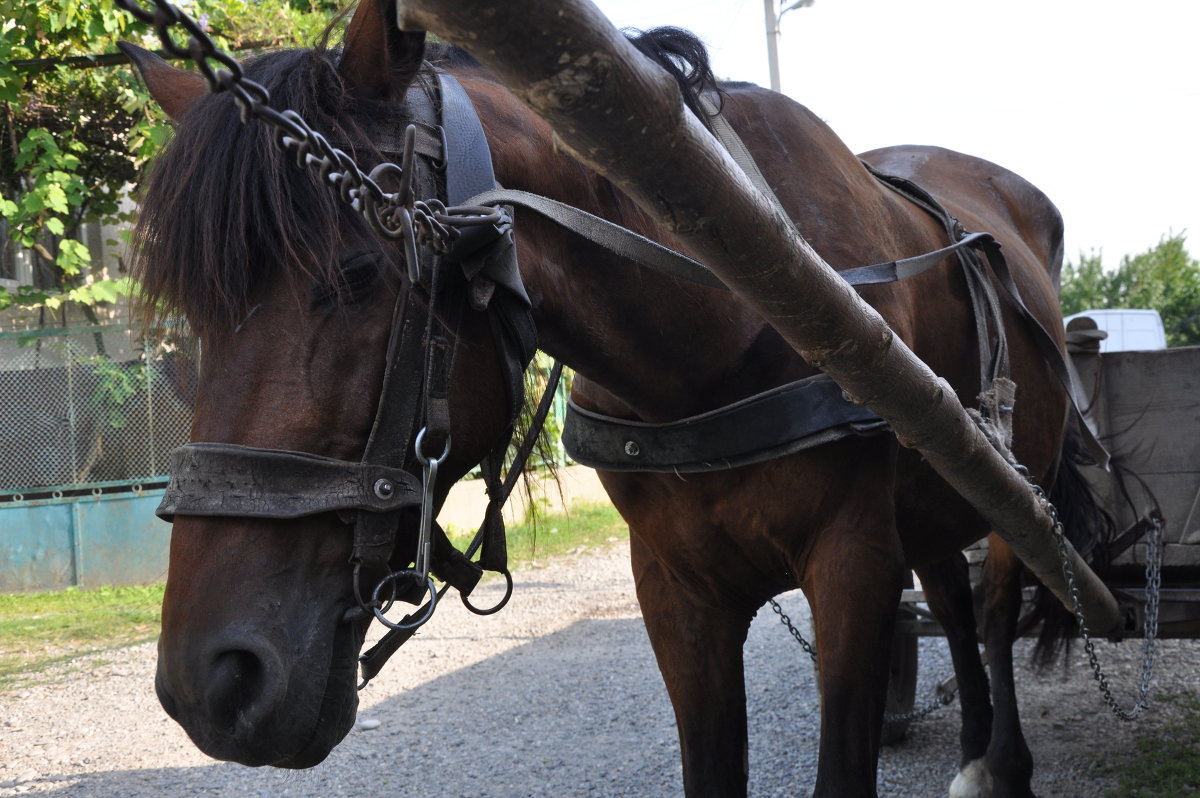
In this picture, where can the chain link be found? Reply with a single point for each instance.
(1154, 554)
(943, 696)
(1153, 590)
(786, 621)
(395, 215)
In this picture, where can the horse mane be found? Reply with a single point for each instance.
(248, 207)
(685, 58)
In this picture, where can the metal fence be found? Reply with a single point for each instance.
(91, 408)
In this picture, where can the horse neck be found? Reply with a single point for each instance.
(655, 343)
(659, 346)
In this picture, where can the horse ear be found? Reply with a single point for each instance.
(173, 89)
(378, 59)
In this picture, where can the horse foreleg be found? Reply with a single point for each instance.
(947, 587)
(698, 645)
(1008, 756)
(854, 575)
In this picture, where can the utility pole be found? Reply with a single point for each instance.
(772, 19)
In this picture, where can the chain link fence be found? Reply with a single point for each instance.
(90, 409)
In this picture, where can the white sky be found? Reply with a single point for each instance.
(1095, 102)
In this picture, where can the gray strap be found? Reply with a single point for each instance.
(613, 237)
(732, 142)
(632, 246)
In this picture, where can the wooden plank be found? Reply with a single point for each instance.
(567, 62)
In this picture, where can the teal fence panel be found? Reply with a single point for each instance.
(89, 541)
(37, 546)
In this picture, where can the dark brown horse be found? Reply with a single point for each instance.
(258, 651)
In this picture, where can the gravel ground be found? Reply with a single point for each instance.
(556, 696)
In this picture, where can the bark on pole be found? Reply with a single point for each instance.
(566, 61)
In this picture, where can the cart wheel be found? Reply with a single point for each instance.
(902, 683)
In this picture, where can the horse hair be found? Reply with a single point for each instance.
(251, 209)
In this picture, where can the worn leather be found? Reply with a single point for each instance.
(222, 479)
(784, 420)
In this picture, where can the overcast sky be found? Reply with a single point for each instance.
(1095, 102)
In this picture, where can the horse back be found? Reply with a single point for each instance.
(984, 197)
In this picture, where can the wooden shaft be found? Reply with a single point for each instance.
(567, 62)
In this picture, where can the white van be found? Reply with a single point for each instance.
(1128, 330)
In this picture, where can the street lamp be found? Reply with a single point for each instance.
(773, 18)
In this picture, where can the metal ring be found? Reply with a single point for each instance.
(429, 607)
(508, 591)
(18, 497)
(424, 460)
(58, 494)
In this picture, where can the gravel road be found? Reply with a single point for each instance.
(556, 696)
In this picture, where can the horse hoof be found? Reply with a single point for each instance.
(973, 781)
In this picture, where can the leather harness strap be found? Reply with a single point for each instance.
(779, 422)
(800, 416)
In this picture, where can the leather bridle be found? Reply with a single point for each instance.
(410, 436)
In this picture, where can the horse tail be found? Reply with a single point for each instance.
(1091, 530)
(685, 58)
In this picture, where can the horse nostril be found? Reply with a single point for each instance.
(235, 690)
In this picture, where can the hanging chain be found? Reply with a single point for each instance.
(1154, 554)
(1153, 590)
(395, 215)
(786, 621)
(944, 694)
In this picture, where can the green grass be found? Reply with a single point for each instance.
(38, 630)
(586, 525)
(1165, 764)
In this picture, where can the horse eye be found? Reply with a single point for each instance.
(355, 276)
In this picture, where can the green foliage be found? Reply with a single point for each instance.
(74, 139)
(1165, 278)
(117, 382)
(1166, 764)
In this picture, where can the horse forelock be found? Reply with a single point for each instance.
(226, 209)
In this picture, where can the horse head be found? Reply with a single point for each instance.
(300, 309)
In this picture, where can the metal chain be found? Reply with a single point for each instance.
(943, 696)
(1153, 589)
(395, 215)
(786, 621)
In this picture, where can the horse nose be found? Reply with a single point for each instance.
(244, 686)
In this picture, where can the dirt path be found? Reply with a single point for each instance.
(556, 696)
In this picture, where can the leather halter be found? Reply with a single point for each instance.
(412, 415)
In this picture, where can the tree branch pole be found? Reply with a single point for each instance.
(566, 61)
